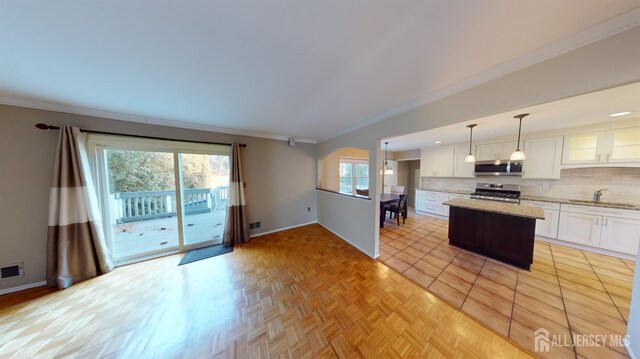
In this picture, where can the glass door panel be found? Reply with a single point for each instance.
(142, 203)
(205, 184)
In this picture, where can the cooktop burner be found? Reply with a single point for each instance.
(497, 192)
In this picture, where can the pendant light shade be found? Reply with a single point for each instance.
(387, 170)
(518, 154)
(470, 157)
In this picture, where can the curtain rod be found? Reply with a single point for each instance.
(44, 126)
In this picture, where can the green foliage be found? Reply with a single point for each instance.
(196, 171)
(134, 171)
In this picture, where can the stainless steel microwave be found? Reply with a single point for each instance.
(498, 168)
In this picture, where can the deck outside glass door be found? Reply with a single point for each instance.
(142, 203)
(205, 184)
(157, 202)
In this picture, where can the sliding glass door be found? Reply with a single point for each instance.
(142, 202)
(205, 184)
(160, 197)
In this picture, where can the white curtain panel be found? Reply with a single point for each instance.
(76, 247)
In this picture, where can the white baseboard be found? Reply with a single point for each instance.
(348, 241)
(587, 248)
(22, 287)
(282, 229)
(627, 344)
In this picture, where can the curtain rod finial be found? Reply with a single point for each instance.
(44, 126)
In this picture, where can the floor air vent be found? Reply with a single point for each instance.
(11, 271)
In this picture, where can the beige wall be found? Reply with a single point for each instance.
(329, 167)
(280, 180)
(405, 155)
(578, 183)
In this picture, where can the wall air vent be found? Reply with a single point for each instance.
(11, 271)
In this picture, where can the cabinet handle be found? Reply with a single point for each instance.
(607, 158)
(599, 158)
(607, 222)
(597, 221)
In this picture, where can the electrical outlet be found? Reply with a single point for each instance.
(257, 224)
(252, 225)
(308, 209)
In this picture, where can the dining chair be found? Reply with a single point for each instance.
(397, 209)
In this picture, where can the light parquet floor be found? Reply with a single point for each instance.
(567, 291)
(299, 293)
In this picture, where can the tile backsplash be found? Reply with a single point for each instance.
(622, 184)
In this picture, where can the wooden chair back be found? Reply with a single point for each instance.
(397, 190)
(362, 192)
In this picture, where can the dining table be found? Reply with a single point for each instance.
(388, 198)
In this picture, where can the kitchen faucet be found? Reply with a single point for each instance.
(597, 194)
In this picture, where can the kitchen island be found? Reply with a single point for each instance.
(502, 231)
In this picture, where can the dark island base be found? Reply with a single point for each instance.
(506, 238)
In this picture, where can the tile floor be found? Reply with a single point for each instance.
(567, 291)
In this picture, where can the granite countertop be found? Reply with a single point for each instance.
(497, 207)
(576, 202)
(456, 191)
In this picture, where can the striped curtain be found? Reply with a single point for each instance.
(237, 228)
(76, 247)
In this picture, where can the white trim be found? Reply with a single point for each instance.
(22, 287)
(586, 248)
(85, 111)
(281, 229)
(627, 344)
(607, 28)
(351, 243)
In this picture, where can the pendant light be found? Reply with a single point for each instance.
(470, 157)
(518, 155)
(387, 170)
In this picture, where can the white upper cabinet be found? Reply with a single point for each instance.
(544, 156)
(437, 162)
(625, 145)
(460, 167)
(604, 147)
(495, 151)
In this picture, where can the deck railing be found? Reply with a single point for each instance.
(136, 206)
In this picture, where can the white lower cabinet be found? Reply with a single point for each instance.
(547, 227)
(431, 202)
(580, 228)
(611, 229)
(621, 235)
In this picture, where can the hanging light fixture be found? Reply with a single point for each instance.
(387, 170)
(470, 157)
(518, 155)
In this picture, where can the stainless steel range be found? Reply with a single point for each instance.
(497, 192)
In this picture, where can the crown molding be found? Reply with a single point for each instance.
(85, 111)
(602, 30)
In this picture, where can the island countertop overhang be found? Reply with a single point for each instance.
(497, 207)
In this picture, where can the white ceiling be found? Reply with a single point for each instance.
(589, 109)
(307, 69)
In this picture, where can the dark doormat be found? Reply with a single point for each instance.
(204, 253)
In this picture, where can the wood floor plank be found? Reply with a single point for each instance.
(301, 293)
